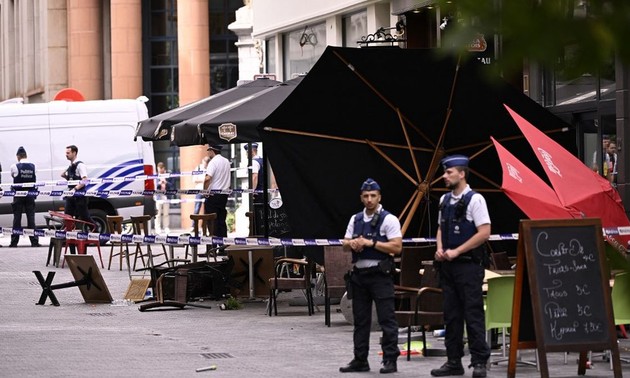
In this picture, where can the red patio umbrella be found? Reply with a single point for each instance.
(577, 186)
(528, 191)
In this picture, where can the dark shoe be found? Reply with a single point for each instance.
(355, 366)
(36, 245)
(479, 370)
(451, 367)
(12, 245)
(389, 367)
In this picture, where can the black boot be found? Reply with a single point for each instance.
(451, 367)
(479, 370)
(389, 367)
(355, 366)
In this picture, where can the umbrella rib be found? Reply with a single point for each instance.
(404, 210)
(439, 151)
(412, 211)
(390, 161)
(344, 139)
(408, 205)
(385, 100)
(515, 137)
(413, 156)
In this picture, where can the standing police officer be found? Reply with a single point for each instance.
(22, 172)
(464, 227)
(77, 206)
(373, 236)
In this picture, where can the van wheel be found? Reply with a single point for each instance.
(99, 217)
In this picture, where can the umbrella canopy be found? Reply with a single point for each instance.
(528, 191)
(234, 122)
(578, 187)
(390, 114)
(159, 126)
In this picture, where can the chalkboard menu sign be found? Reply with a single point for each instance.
(277, 221)
(562, 286)
(569, 281)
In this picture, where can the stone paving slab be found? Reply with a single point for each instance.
(100, 340)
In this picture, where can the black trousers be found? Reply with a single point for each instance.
(78, 208)
(20, 206)
(463, 303)
(374, 287)
(215, 203)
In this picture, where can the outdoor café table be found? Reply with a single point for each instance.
(251, 266)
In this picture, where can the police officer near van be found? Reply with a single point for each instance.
(23, 172)
(464, 227)
(373, 236)
(77, 206)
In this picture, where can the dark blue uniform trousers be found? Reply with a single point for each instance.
(378, 287)
(23, 205)
(463, 302)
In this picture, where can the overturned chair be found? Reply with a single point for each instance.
(177, 287)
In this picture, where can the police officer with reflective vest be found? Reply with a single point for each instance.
(464, 227)
(258, 172)
(23, 172)
(77, 206)
(373, 237)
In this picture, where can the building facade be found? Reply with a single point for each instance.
(597, 105)
(171, 52)
(176, 52)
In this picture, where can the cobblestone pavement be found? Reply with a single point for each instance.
(100, 340)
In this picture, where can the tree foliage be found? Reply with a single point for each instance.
(580, 36)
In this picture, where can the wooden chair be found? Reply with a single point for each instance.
(206, 228)
(500, 261)
(278, 282)
(114, 227)
(336, 264)
(140, 226)
(425, 309)
(54, 248)
(411, 261)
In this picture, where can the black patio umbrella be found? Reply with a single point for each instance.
(233, 122)
(159, 126)
(391, 114)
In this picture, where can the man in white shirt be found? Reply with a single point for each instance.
(199, 181)
(217, 178)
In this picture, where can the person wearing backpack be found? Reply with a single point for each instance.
(464, 227)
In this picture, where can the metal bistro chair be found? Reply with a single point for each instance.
(499, 312)
(70, 225)
(278, 282)
(423, 308)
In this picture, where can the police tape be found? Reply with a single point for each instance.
(188, 239)
(104, 180)
(123, 192)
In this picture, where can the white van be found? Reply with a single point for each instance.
(104, 133)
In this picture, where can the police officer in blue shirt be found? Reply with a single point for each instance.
(23, 172)
(374, 237)
(464, 227)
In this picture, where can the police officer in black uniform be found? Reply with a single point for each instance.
(464, 227)
(374, 237)
(23, 172)
(77, 206)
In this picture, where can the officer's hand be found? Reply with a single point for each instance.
(439, 255)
